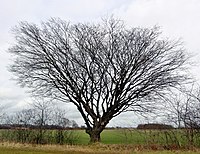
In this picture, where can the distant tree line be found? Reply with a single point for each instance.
(41, 115)
(42, 123)
(154, 126)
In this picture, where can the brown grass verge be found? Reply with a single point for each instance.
(97, 148)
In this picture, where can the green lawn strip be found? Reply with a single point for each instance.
(122, 136)
(113, 136)
(83, 138)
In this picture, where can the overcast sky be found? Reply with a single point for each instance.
(177, 19)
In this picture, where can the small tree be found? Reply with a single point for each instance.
(183, 107)
(59, 118)
(74, 124)
(191, 112)
(25, 117)
(174, 106)
(43, 112)
(103, 69)
(2, 114)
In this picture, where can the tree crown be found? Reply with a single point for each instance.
(104, 69)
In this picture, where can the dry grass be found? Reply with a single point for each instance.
(57, 149)
(16, 148)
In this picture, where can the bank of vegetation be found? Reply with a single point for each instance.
(165, 139)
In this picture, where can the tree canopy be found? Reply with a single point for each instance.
(104, 69)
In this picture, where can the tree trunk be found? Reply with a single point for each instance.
(94, 135)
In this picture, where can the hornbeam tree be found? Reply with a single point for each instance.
(104, 69)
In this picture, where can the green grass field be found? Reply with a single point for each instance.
(114, 136)
(139, 137)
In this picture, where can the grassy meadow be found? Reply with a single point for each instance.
(112, 141)
(173, 137)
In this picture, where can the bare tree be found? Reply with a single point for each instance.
(183, 108)
(74, 124)
(43, 112)
(59, 118)
(103, 69)
(2, 113)
(173, 106)
(191, 112)
(25, 117)
(187, 110)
